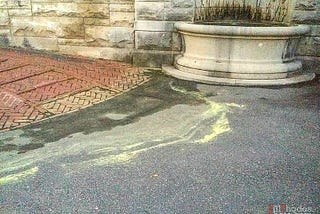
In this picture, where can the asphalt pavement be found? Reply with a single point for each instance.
(170, 146)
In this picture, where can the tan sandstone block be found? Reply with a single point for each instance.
(122, 19)
(122, 7)
(3, 4)
(121, 37)
(118, 54)
(38, 43)
(22, 4)
(71, 10)
(4, 18)
(5, 32)
(62, 27)
(95, 21)
(72, 42)
(20, 12)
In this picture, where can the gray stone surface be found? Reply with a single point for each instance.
(149, 10)
(153, 58)
(183, 3)
(153, 40)
(306, 5)
(154, 24)
(309, 13)
(310, 46)
(311, 63)
(307, 17)
(178, 14)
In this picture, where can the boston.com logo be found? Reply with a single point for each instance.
(285, 209)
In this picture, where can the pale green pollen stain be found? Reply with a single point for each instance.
(18, 176)
(15, 167)
(113, 159)
(120, 145)
(220, 110)
(128, 147)
(220, 126)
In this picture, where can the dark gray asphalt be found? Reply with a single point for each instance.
(135, 153)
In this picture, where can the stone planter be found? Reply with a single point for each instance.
(239, 55)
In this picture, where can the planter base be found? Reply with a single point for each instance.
(296, 78)
(239, 55)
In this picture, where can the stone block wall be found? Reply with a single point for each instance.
(138, 31)
(156, 41)
(308, 12)
(95, 28)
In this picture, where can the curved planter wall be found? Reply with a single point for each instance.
(239, 55)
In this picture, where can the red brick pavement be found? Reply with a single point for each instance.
(34, 87)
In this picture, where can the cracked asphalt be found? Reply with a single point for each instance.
(169, 146)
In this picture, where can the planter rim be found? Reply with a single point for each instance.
(294, 30)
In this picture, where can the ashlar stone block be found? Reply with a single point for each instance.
(37, 43)
(122, 7)
(122, 19)
(22, 4)
(119, 54)
(183, 3)
(62, 27)
(310, 46)
(4, 18)
(3, 4)
(153, 40)
(71, 10)
(178, 14)
(120, 37)
(20, 12)
(97, 21)
(150, 10)
(306, 17)
(306, 5)
(4, 37)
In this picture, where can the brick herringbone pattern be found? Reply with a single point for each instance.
(78, 100)
(14, 112)
(19, 73)
(11, 64)
(54, 90)
(35, 81)
(34, 87)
